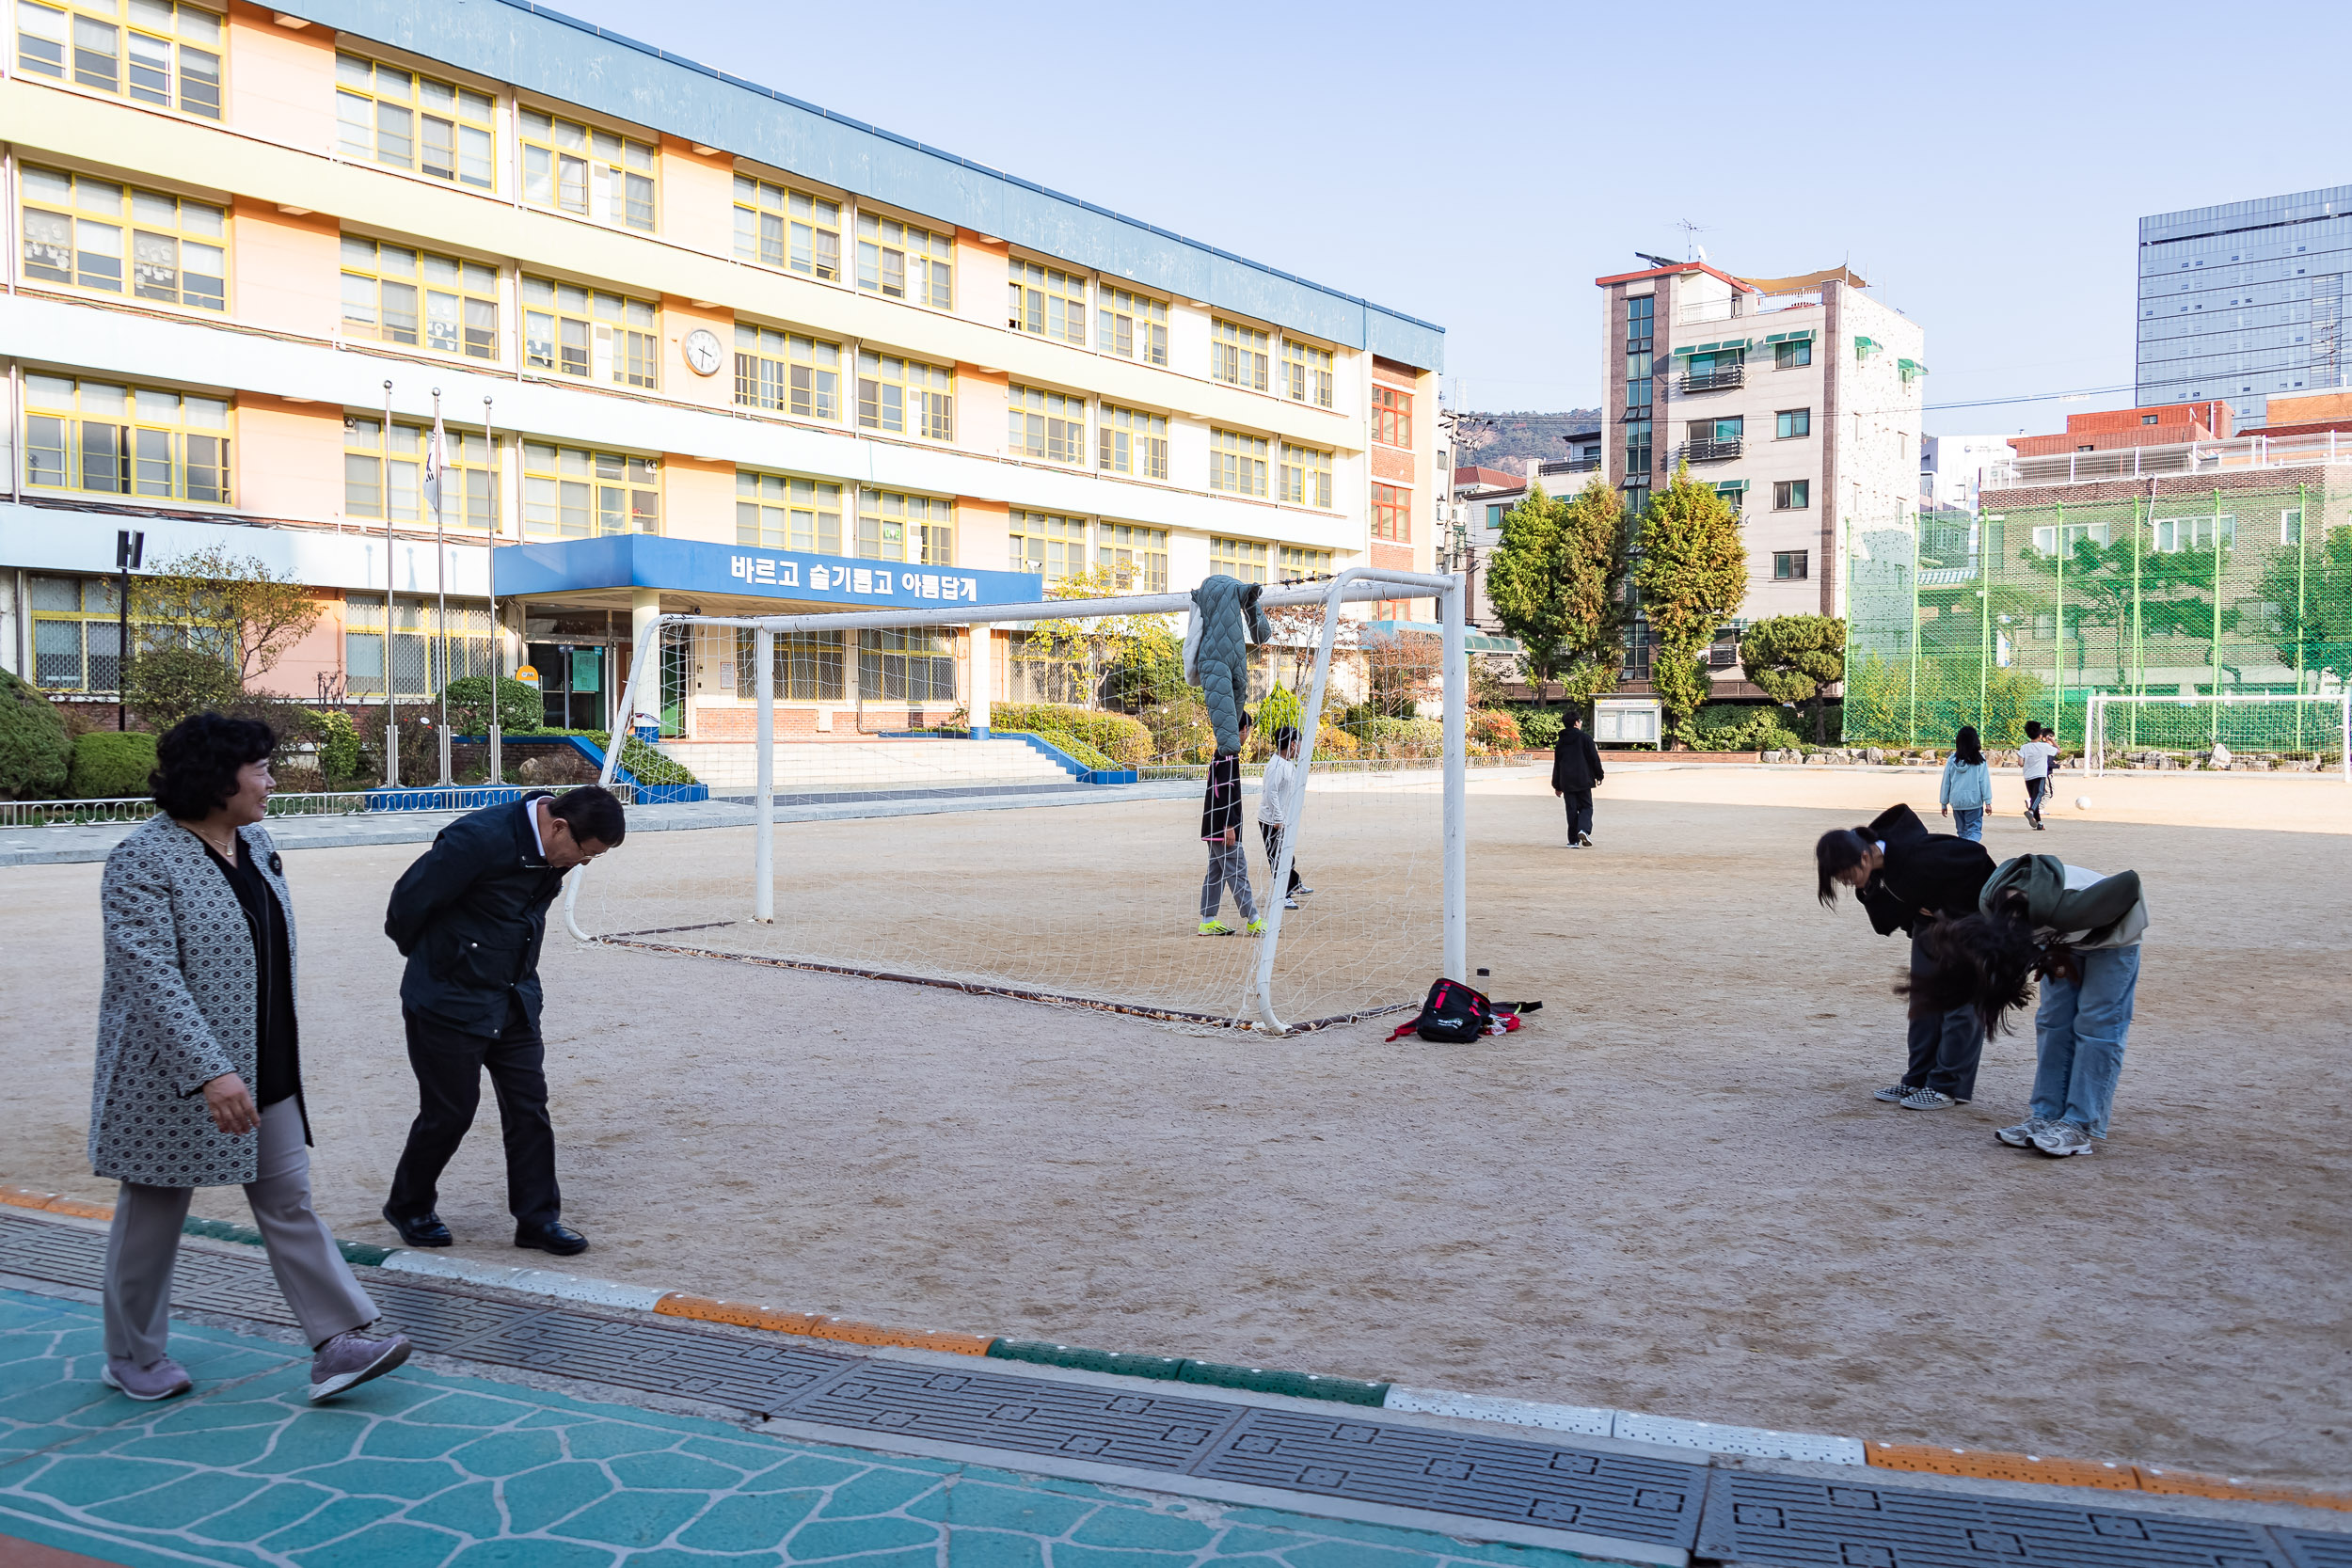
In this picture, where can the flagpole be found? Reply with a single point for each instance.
(436, 463)
(391, 713)
(497, 642)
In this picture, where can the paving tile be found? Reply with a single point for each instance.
(537, 1498)
(823, 1539)
(339, 1517)
(80, 1482)
(633, 1519)
(540, 1554)
(507, 1453)
(880, 1490)
(1066, 1554)
(471, 1511)
(750, 1521)
(275, 1506)
(391, 1545)
(412, 1479)
(988, 1548)
(977, 1504)
(671, 1471)
(196, 1495)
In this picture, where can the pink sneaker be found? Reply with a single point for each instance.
(158, 1380)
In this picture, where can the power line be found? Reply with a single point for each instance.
(2031, 397)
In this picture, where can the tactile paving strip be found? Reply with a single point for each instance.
(1795, 1522)
(1654, 1501)
(2311, 1548)
(1040, 1415)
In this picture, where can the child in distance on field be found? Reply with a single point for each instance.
(1220, 829)
(2039, 755)
(1274, 803)
(1968, 790)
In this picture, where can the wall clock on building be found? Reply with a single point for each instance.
(702, 351)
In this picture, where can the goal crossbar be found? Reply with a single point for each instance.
(1352, 584)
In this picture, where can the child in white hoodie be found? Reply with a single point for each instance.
(1274, 808)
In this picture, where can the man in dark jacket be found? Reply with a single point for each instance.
(1575, 769)
(470, 916)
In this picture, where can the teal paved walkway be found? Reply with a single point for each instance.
(422, 1469)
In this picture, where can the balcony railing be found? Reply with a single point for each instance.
(1720, 379)
(1719, 451)
(2195, 457)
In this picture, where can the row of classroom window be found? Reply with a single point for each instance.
(77, 643)
(108, 438)
(87, 233)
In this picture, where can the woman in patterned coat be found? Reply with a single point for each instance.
(200, 1077)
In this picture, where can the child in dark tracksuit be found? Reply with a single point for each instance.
(1220, 829)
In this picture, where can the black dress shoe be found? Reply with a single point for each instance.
(428, 1231)
(554, 1235)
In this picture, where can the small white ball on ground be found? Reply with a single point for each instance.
(2082, 803)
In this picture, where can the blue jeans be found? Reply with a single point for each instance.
(1968, 822)
(2079, 1031)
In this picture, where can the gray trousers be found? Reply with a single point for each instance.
(1227, 867)
(311, 1274)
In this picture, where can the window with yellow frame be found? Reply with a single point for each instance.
(1305, 476)
(781, 227)
(574, 330)
(904, 397)
(118, 239)
(77, 633)
(1237, 354)
(593, 174)
(396, 293)
(573, 493)
(1049, 302)
(109, 440)
(1307, 373)
(789, 373)
(401, 119)
(785, 513)
(898, 260)
(1299, 563)
(1044, 543)
(1049, 427)
(1131, 441)
(1245, 559)
(1132, 325)
(920, 530)
(1135, 557)
(152, 51)
(469, 487)
(1237, 463)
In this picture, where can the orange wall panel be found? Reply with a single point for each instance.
(984, 532)
(981, 401)
(319, 652)
(697, 197)
(281, 81)
(290, 459)
(287, 275)
(698, 499)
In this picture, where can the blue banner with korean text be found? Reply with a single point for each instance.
(698, 566)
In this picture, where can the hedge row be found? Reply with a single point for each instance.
(1116, 735)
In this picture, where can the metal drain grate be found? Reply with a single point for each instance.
(1792, 1522)
(2312, 1548)
(1656, 1501)
(204, 1281)
(656, 1359)
(1040, 1415)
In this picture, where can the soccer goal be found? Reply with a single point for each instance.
(1009, 866)
(2310, 733)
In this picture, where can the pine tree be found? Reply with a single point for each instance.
(1693, 576)
(1796, 659)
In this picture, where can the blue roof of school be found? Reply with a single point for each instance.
(545, 51)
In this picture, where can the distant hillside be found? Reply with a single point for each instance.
(1510, 437)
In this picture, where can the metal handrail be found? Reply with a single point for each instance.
(1712, 451)
(1720, 379)
(351, 802)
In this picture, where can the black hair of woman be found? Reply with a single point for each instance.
(1986, 962)
(1967, 747)
(1837, 854)
(198, 759)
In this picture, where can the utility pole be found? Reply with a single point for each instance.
(391, 711)
(129, 549)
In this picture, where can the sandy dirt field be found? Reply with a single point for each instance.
(1671, 1194)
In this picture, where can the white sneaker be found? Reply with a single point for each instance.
(2022, 1134)
(1300, 892)
(1585, 840)
(1290, 903)
(1894, 1094)
(1925, 1098)
(2062, 1139)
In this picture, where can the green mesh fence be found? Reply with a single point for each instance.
(2205, 598)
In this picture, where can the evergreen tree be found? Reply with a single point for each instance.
(1527, 583)
(1557, 583)
(1796, 659)
(1693, 576)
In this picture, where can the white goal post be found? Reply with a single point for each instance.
(2310, 724)
(1351, 584)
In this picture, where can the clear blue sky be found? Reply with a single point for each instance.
(1985, 165)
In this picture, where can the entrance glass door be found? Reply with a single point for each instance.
(572, 684)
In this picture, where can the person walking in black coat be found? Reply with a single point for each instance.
(470, 916)
(1909, 879)
(1575, 769)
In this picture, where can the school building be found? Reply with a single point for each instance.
(697, 345)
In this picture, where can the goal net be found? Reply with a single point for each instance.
(2275, 732)
(1061, 858)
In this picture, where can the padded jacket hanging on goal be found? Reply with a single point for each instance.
(470, 916)
(1225, 621)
